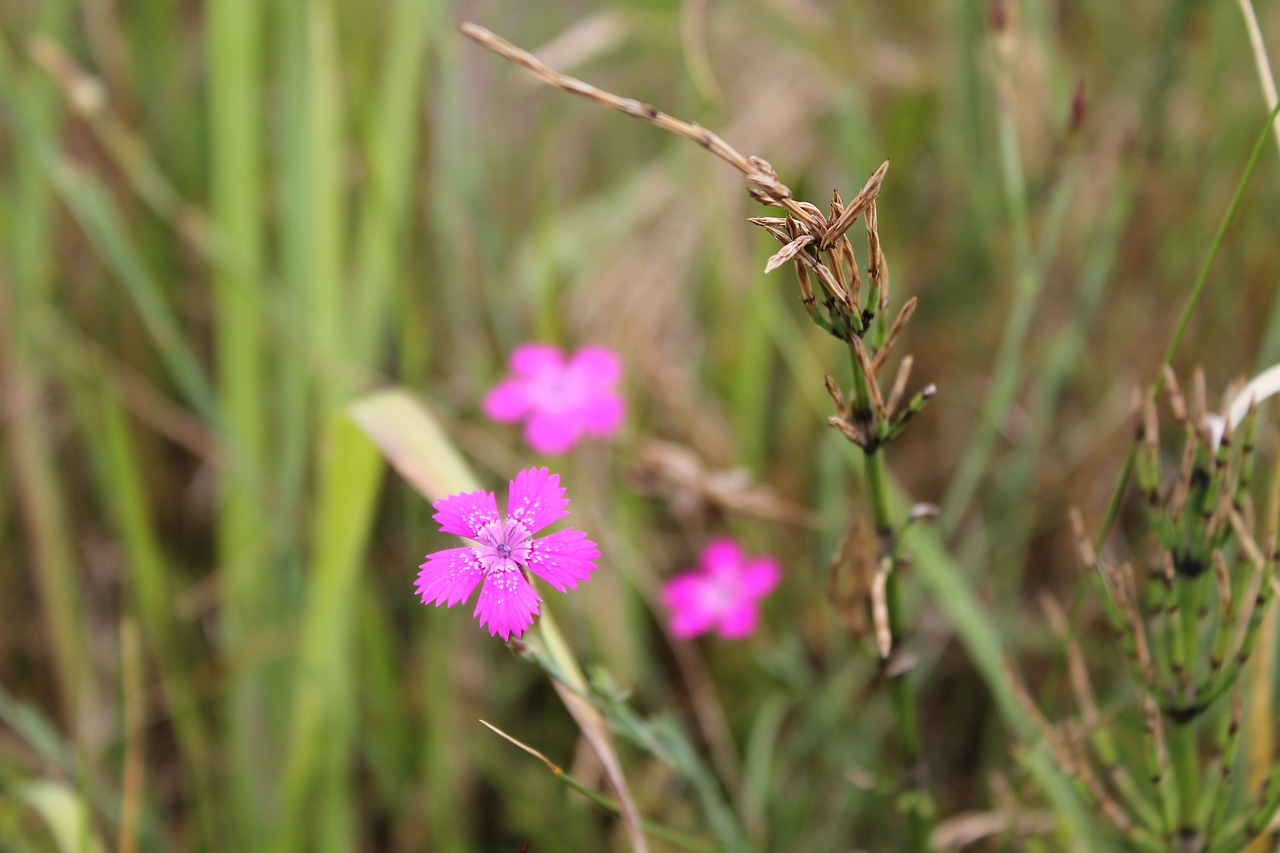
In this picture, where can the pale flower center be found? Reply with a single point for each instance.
(503, 542)
(721, 593)
(559, 390)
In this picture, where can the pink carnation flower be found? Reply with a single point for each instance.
(561, 401)
(505, 547)
(723, 592)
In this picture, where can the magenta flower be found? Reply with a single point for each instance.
(505, 547)
(561, 400)
(723, 592)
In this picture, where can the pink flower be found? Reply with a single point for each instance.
(562, 401)
(505, 547)
(723, 592)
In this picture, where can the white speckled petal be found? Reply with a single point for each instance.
(507, 603)
(563, 558)
(449, 576)
(536, 499)
(467, 513)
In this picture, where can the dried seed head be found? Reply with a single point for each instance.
(860, 202)
(787, 253)
(1176, 401)
(837, 397)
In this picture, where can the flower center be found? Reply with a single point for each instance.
(721, 594)
(505, 541)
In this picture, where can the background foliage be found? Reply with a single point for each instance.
(223, 222)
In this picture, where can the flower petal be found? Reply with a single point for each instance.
(563, 558)
(602, 413)
(449, 576)
(596, 364)
(507, 401)
(685, 596)
(759, 577)
(507, 603)
(465, 514)
(551, 432)
(721, 556)
(533, 359)
(739, 621)
(536, 499)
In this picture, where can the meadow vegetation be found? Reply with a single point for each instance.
(260, 264)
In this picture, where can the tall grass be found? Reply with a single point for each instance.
(223, 224)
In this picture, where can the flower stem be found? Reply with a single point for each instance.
(573, 693)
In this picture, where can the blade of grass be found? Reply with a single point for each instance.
(391, 146)
(25, 291)
(1269, 351)
(1055, 371)
(65, 814)
(293, 377)
(122, 485)
(679, 839)
(1028, 282)
(322, 723)
(325, 310)
(135, 711)
(233, 59)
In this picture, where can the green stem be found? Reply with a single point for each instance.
(1186, 774)
(915, 800)
(565, 667)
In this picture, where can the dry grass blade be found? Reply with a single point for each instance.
(695, 490)
(596, 731)
(968, 828)
(757, 170)
(851, 213)
(551, 765)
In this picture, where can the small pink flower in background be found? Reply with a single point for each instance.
(722, 593)
(505, 548)
(560, 400)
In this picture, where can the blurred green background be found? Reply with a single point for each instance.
(222, 222)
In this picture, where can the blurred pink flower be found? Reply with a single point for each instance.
(561, 400)
(505, 549)
(722, 593)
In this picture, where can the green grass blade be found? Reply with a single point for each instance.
(122, 484)
(233, 46)
(65, 814)
(322, 725)
(391, 148)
